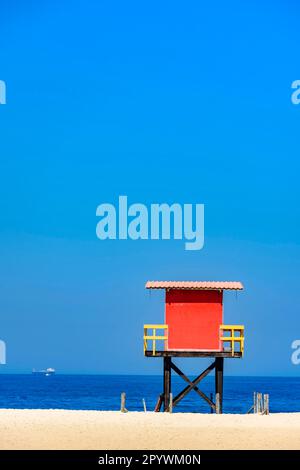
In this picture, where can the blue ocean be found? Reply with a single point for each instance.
(102, 392)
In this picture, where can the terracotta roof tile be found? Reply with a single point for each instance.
(197, 285)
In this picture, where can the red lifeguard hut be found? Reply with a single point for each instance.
(194, 327)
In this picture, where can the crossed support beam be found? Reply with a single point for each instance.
(218, 365)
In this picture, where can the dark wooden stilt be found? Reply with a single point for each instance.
(164, 399)
(167, 382)
(219, 381)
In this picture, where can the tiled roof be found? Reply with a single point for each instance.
(197, 285)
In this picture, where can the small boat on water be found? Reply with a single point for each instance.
(45, 372)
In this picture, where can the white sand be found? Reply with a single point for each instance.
(62, 429)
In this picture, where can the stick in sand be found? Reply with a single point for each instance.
(144, 404)
(123, 400)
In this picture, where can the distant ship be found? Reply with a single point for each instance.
(45, 372)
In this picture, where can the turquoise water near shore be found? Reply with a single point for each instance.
(102, 392)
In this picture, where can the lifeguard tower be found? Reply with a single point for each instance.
(193, 327)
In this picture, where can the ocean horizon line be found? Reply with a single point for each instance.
(144, 375)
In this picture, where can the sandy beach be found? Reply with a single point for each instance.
(67, 429)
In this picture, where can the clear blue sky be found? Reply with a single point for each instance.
(164, 102)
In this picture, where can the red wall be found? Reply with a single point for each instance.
(194, 317)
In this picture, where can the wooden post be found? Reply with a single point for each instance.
(266, 404)
(123, 401)
(171, 403)
(211, 396)
(159, 403)
(259, 402)
(219, 381)
(167, 382)
(144, 404)
(218, 404)
(254, 402)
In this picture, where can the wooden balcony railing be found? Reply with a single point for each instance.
(154, 337)
(231, 337)
(234, 336)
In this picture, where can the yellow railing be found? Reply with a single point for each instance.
(154, 337)
(236, 337)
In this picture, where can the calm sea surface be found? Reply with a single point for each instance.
(102, 392)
